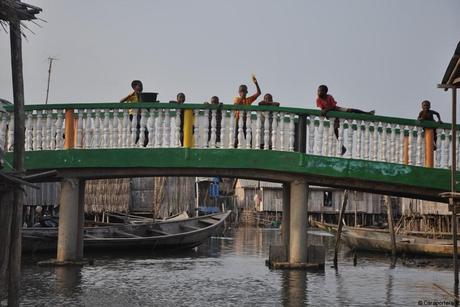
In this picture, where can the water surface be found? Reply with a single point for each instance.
(231, 271)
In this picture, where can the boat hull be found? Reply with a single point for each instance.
(378, 240)
(176, 234)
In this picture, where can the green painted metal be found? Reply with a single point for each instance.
(284, 162)
(156, 105)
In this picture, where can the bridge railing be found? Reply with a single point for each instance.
(165, 125)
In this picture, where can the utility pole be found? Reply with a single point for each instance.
(50, 59)
(14, 12)
(451, 80)
(18, 163)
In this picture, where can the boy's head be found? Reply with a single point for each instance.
(180, 98)
(426, 105)
(214, 100)
(268, 98)
(136, 85)
(322, 91)
(243, 90)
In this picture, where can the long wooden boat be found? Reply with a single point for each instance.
(136, 219)
(378, 240)
(169, 234)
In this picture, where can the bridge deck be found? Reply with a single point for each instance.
(383, 154)
(371, 176)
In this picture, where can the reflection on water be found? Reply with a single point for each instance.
(294, 288)
(231, 272)
(67, 280)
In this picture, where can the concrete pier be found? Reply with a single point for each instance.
(297, 251)
(70, 234)
(286, 210)
(81, 218)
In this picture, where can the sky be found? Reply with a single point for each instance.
(382, 55)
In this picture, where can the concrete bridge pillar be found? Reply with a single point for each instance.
(297, 250)
(71, 219)
(295, 253)
(286, 208)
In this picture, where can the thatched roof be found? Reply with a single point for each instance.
(452, 74)
(13, 10)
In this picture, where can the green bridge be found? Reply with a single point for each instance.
(101, 140)
(297, 147)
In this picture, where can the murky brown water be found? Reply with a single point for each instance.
(231, 272)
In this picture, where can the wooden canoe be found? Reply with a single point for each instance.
(378, 240)
(136, 219)
(169, 234)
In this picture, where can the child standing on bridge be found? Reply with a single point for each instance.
(242, 99)
(428, 114)
(135, 97)
(180, 99)
(215, 101)
(268, 101)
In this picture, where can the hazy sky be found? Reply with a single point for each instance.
(383, 55)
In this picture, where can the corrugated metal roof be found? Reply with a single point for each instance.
(204, 179)
(452, 74)
(246, 183)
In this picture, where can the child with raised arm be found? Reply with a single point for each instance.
(242, 99)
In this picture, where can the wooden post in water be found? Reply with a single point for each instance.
(18, 163)
(6, 212)
(453, 184)
(356, 210)
(339, 226)
(391, 229)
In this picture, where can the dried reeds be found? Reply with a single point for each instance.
(107, 195)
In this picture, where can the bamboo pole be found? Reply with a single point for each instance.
(339, 226)
(453, 184)
(391, 228)
(454, 296)
(356, 212)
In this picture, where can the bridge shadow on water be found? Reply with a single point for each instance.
(230, 271)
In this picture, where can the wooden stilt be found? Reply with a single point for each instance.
(18, 163)
(356, 212)
(6, 198)
(391, 229)
(339, 226)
